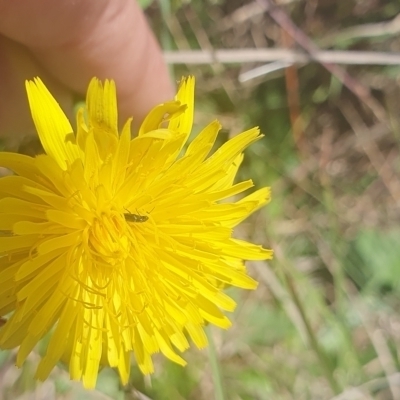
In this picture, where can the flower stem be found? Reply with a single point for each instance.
(215, 367)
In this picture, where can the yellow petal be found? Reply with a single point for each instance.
(51, 123)
(101, 101)
(19, 163)
(183, 123)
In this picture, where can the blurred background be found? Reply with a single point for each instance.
(324, 322)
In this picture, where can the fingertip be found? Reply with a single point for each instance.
(82, 39)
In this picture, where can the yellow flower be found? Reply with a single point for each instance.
(117, 245)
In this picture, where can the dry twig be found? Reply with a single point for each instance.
(241, 56)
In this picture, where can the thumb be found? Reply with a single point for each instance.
(76, 40)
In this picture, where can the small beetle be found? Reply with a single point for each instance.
(135, 217)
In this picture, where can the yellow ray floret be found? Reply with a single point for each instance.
(120, 246)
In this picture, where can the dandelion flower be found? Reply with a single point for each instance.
(113, 245)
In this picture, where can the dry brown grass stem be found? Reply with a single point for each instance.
(378, 340)
(241, 56)
(378, 160)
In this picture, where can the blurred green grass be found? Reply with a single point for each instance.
(324, 321)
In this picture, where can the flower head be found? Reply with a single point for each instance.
(117, 245)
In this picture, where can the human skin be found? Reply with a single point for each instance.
(66, 43)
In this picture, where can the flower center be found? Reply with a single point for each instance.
(108, 242)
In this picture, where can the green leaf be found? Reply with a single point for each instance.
(380, 252)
